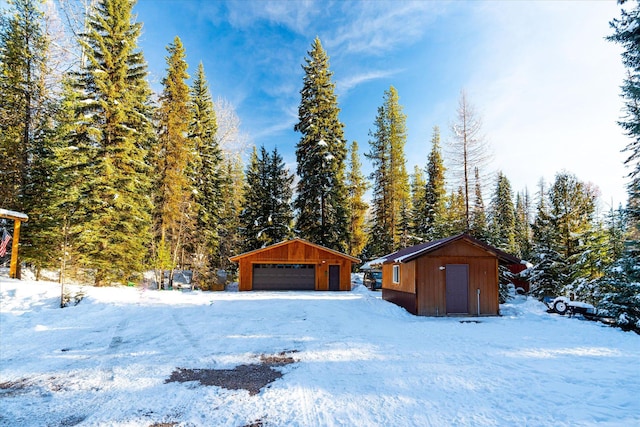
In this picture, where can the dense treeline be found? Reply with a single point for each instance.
(118, 181)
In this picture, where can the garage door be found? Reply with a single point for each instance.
(284, 277)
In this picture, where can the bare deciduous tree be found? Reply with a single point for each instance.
(231, 140)
(467, 150)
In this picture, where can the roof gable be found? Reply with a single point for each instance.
(413, 252)
(237, 258)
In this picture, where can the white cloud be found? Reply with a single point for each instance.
(375, 27)
(296, 15)
(343, 86)
(549, 83)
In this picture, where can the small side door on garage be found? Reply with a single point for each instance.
(284, 277)
(334, 277)
(457, 292)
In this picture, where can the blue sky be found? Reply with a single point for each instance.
(540, 74)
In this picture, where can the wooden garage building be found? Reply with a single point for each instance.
(294, 265)
(453, 276)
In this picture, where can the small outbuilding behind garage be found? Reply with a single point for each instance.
(294, 264)
(453, 276)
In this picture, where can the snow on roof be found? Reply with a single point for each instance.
(13, 214)
(373, 264)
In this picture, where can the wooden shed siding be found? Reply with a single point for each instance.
(407, 277)
(431, 284)
(296, 252)
(403, 299)
(460, 248)
(424, 278)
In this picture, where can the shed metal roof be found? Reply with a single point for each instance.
(413, 252)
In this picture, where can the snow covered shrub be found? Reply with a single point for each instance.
(621, 299)
(506, 290)
(70, 299)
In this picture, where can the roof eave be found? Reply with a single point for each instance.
(236, 258)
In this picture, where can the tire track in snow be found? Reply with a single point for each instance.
(112, 349)
(185, 332)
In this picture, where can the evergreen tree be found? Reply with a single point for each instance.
(391, 201)
(321, 200)
(549, 268)
(572, 205)
(112, 132)
(418, 186)
(206, 176)
(27, 135)
(356, 188)
(627, 34)
(380, 236)
(51, 240)
(232, 197)
(266, 217)
(622, 301)
(503, 216)
(479, 227)
(564, 239)
(174, 198)
(433, 222)
(523, 226)
(455, 215)
(590, 265)
(25, 106)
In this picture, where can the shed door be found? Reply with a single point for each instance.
(334, 277)
(284, 277)
(457, 293)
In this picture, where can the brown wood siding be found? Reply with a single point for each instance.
(407, 277)
(431, 284)
(430, 298)
(426, 282)
(461, 248)
(296, 252)
(403, 299)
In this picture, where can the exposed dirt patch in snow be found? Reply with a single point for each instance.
(252, 377)
(26, 385)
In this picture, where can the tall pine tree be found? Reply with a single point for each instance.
(206, 173)
(623, 301)
(175, 210)
(433, 224)
(479, 226)
(232, 198)
(523, 225)
(627, 34)
(503, 221)
(321, 201)
(25, 106)
(418, 201)
(112, 132)
(356, 188)
(27, 135)
(391, 202)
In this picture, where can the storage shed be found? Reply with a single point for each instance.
(453, 276)
(294, 265)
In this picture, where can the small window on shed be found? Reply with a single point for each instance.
(396, 274)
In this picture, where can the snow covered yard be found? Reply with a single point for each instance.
(357, 360)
